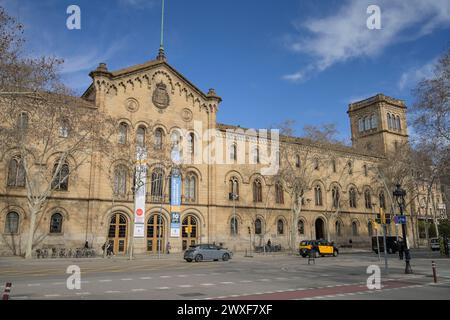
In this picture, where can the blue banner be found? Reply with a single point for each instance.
(175, 191)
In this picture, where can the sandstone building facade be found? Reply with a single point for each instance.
(155, 97)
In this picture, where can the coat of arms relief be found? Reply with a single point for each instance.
(160, 97)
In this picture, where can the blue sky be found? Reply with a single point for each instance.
(269, 60)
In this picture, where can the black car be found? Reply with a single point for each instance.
(392, 245)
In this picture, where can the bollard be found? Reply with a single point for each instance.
(7, 291)
(433, 266)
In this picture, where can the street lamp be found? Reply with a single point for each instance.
(399, 195)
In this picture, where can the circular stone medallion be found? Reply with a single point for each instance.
(186, 115)
(132, 105)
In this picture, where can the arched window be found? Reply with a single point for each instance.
(301, 227)
(336, 197)
(279, 193)
(297, 161)
(64, 128)
(338, 228)
(140, 137)
(382, 200)
(12, 223)
(389, 121)
(355, 229)
(316, 163)
(190, 188)
(365, 170)
(366, 123)
(361, 125)
(120, 180)
(257, 191)
(393, 122)
(370, 228)
(191, 144)
(256, 159)
(234, 226)
(352, 197)
(233, 152)
(157, 185)
(398, 123)
(56, 223)
(258, 226)
(374, 121)
(61, 178)
(123, 133)
(234, 187)
(280, 226)
(159, 134)
(350, 167)
(23, 121)
(16, 173)
(368, 199)
(318, 195)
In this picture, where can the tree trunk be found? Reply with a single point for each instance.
(29, 245)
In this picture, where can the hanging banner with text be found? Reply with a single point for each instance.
(139, 196)
(175, 203)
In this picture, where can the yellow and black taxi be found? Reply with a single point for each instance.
(317, 248)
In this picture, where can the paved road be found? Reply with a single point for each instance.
(269, 277)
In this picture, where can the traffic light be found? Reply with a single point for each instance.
(388, 218)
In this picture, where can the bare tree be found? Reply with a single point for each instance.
(50, 133)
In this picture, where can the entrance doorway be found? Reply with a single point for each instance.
(118, 233)
(189, 231)
(320, 233)
(155, 234)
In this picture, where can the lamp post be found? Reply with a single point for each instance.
(399, 195)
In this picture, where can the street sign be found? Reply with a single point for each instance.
(400, 219)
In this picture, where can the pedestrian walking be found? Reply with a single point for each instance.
(401, 249)
(168, 247)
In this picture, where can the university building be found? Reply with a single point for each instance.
(339, 204)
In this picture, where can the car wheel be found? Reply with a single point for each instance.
(304, 255)
(198, 258)
(316, 254)
(225, 257)
(189, 260)
(335, 253)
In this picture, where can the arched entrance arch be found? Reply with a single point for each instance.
(320, 229)
(189, 231)
(156, 230)
(118, 232)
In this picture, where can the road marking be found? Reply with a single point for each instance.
(138, 290)
(264, 280)
(163, 288)
(186, 286)
(207, 284)
(199, 274)
(145, 278)
(165, 277)
(82, 293)
(281, 278)
(105, 280)
(112, 291)
(182, 276)
(126, 279)
(34, 284)
(246, 281)
(52, 295)
(227, 282)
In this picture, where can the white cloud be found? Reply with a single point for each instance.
(344, 35)
(411, 77)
